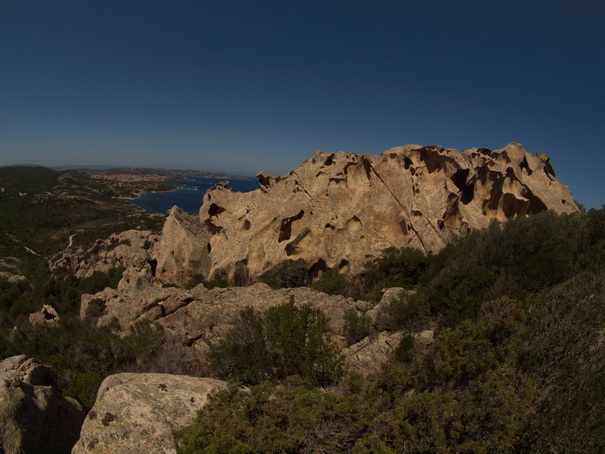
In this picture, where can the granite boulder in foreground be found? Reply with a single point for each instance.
(138, 413)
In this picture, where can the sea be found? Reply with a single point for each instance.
(189, 197)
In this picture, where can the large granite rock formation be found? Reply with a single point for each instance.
(340, 210)
(136, 413)
(34, 416)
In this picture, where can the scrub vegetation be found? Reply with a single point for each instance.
(516, 364)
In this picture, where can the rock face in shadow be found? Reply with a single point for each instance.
(140, 412)
(34, 416)
(341, 210)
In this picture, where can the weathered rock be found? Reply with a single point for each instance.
(182, 251)
(200, 316)
(337, 211)
(45, 316)
(11, 270)
(136, 413)
(129, 249)
(34, 416)
(388, 296)
(370, 354)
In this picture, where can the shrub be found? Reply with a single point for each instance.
(288, 274)
(332, 283)
(357, 326)
(299, 344)
(285, 341)
(95, 308)
(407, 312)
(403, 267)
(292, 417)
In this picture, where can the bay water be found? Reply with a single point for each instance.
(189, 196)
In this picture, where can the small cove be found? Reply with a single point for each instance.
(189, 197)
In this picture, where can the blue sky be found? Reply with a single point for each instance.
(248, 86)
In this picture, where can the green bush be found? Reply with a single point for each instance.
(84, 387)
(288, 274)
(403, 352)
(285, 341)
(408, 312)
(243, 355)
(357, 326)
(289, 418)
(403, 267)
(332, 283)
(299, 344)
(95, 308)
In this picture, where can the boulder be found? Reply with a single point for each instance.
(45, 316)
(34, 416)
(136, 413)
(338, 210)
(370, 354)
(182, 251)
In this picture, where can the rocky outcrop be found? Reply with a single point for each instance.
(46, 316)
(11, 270)
(340, 210)
(140, 412)
(34, 416)
(200, 316)
(129, 249)
(182, 251)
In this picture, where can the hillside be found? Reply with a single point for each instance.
(490, 343)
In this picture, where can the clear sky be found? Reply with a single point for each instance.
(259, 85)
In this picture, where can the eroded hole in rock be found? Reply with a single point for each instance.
(440, 223)
(467, 189)
(209, 247)
(404, 227)
(215, 210)
(317, 269)
(407, 163)
(344, 265)
(329, 226)
(535, 204)
(525, 165)
(285, 230)
(416, 213)
(240, 274)
(247, 224)
(510, 173)
(153, 265)
(293, 247)
(431, 159)
(354, 224)
(512, 206)
(213, 228)
(330, 160)
(549, 171)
